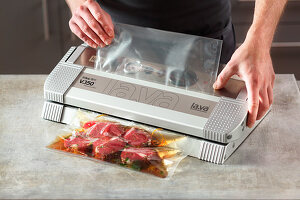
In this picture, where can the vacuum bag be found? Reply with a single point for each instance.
(120, 142)
(174, 59)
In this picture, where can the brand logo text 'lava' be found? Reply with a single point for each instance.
(200, 108)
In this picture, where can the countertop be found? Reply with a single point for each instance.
(267, 164)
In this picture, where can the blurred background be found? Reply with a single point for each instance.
(35, 35)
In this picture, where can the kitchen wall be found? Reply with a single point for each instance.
(35, 35)
(285, 50)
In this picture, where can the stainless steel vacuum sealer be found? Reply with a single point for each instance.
(158, 78)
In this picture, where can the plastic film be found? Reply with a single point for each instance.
(174, 59)
(139, 147)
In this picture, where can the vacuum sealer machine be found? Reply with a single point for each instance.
(158, 78)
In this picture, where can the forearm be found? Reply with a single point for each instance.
(73, 4)
(266, 17)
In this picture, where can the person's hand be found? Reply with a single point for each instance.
(91, 23)
(252, 63)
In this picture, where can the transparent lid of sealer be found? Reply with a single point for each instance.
(173, 59)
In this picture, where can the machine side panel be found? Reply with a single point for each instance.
(233, 145)
(225, 118)
(60, 79)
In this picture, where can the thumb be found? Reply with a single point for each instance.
(224, 76)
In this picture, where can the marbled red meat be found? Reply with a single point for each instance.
(105, 129)
(106, 146)
(89, 124)
(78, 143)
(130, 155)
(137, 137)
(95, 131)
(112, 129)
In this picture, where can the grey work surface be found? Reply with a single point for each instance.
(267, 164)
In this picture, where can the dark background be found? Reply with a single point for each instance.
(26, 49)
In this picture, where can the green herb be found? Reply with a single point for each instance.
(136, 166)
(126, 159)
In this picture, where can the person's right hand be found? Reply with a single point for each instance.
(92, 24)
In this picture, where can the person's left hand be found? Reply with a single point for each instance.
(252, 63)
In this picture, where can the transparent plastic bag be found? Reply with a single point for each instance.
(174, 59)
(128, 144)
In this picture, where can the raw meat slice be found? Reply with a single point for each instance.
(112, 129)
(105, 147)
(105, 129)
(89, 124)
(78, 143)
(137, 137)
(96, 130)
(146, 155)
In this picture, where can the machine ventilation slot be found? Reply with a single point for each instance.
(52, 111)
(211, 152)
